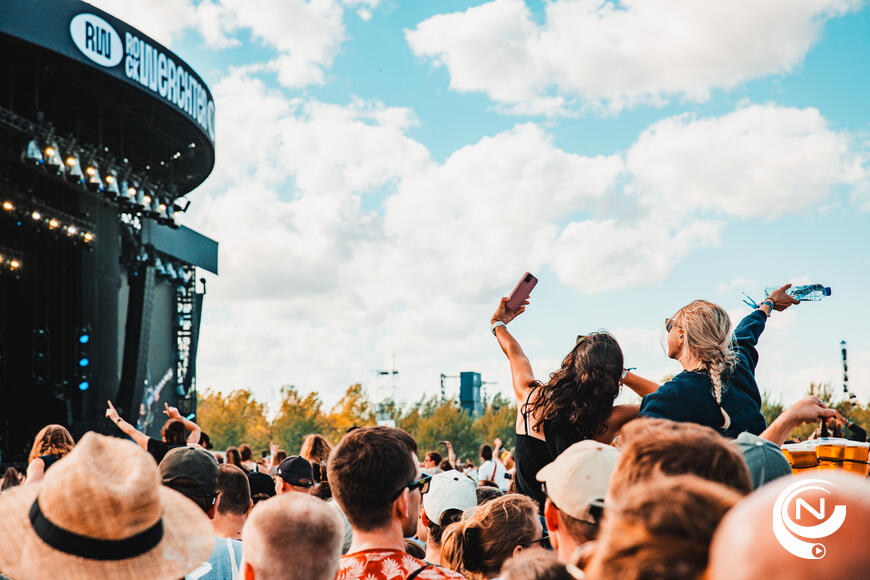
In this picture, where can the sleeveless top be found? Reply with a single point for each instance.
(532, 454)
(47, 461)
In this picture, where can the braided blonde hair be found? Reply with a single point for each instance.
(707, 330)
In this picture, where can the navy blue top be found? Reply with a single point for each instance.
(689, 395)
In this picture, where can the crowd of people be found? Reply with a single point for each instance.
(681, 486)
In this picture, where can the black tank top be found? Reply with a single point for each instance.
(532, 454)
(48, 461)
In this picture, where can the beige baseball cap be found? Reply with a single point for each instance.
(577, 480)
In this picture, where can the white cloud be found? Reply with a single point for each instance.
(306, 35)
(761, 160)
(318, 286)
(615, 56)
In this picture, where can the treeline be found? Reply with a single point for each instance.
(237, 417)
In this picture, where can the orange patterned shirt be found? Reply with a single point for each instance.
(388, 565)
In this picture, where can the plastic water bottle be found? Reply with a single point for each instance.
(808, 292)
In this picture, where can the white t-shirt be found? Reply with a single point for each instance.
(495, 472)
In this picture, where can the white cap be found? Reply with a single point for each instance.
(449, 490)
(579, 477)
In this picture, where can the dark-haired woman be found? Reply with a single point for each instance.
(576, 403)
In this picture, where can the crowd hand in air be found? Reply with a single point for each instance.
(781, 300)
(170, 412)
(505, 314)
(806, 410)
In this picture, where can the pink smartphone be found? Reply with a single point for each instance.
(522, 291)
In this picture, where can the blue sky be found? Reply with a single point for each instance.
(387, 170)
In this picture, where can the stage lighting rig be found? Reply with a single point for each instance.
(93, 181)
(73, 169)
(32, 153)
(53, 161)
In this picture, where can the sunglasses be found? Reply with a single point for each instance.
(580, 338)
(543, 540)
(422, 484)
(669, 324)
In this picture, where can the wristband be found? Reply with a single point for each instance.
(496, 324)
(769, 303)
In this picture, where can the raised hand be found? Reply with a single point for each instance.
(781, 300)
(505, 314)
(111, 413)
(171, 412)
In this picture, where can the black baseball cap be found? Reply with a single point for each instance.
(261, 484)
(296, 471)
(192, 463)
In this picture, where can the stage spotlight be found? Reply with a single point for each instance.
(88, 237)
(112, 186)
(53, 224)
(74, 171)
(84, 386)
(14, 264)
(71, 230)
(36, 215)
(93, 181)
(8, 206)
(52, 158)
(32, 154)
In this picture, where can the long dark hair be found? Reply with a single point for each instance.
(578, 398)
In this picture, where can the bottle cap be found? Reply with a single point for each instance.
(827, 290)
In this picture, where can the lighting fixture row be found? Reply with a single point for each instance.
(133, 194)
(55, 221)
(10, 261)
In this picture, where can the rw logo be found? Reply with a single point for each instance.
(792, 534)
(96, 39)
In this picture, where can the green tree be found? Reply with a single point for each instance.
(233, 419)
(448, 422)
(297, 417)
(353, 410)
(769, 408)
(499, 420)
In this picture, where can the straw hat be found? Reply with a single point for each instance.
(101, 512)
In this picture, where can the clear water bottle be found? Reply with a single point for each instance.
(808, 292)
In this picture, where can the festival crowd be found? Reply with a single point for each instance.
(681, 486)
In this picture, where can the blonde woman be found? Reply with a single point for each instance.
(52, 442)
(500, 529)
(717, 387)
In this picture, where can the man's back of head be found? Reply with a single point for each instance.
(193, 472)
(292, 537)
(754, 541)
(366, 471)
(652, 447)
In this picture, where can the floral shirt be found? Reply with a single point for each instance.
(388, 565)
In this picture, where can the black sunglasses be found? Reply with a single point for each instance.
(580, 338)
(543, 540)
(669, 324)
(422, 484)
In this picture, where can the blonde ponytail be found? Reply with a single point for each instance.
(707, 330)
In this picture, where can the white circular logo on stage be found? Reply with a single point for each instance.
(791, 534)
(96, 39)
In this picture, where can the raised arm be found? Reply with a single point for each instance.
(140, 438)
(804, 411)
(639, 385)
(194, 429)
(521, 368)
